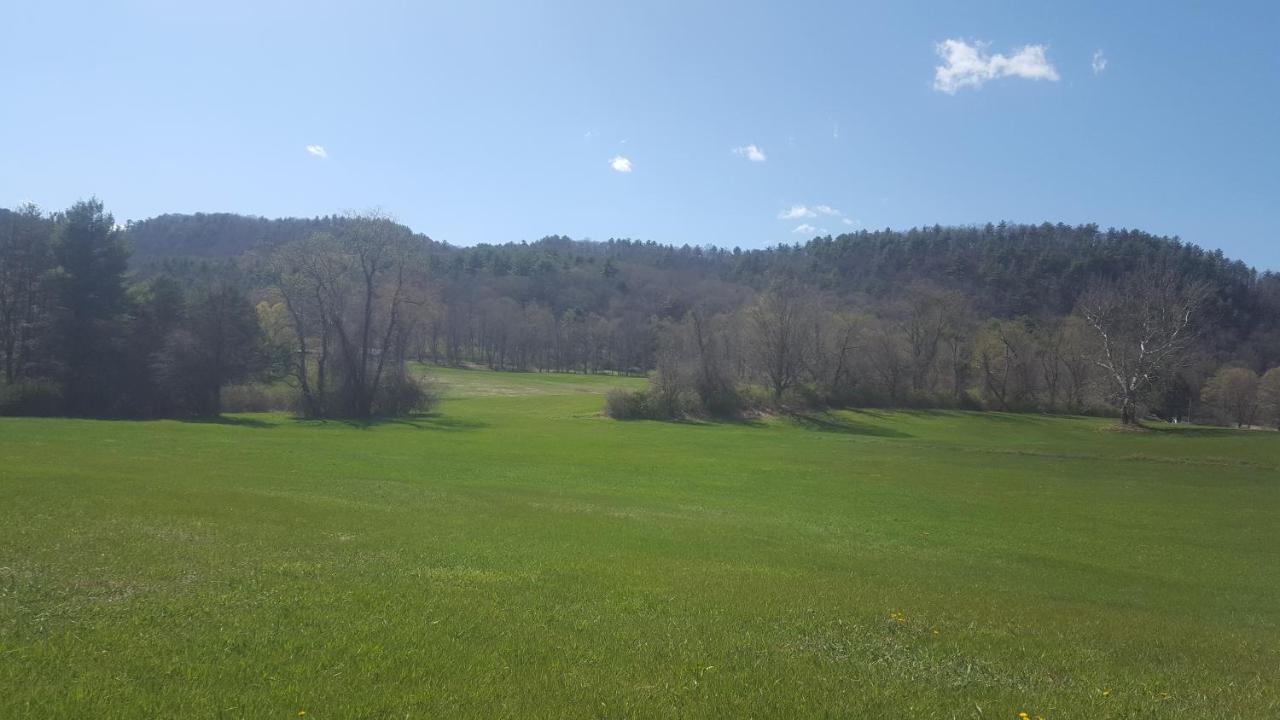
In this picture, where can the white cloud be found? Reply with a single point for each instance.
(827, 210)
(806, 229)
(750, 152)
(620, 164)
(846, 221)
(318, 151)
(970, 66)
(1099, 62)
(796, 211)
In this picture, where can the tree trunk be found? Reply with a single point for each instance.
(1129, 411)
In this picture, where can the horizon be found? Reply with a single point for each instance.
(684, 125)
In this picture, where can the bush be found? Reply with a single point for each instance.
(402, 394)
(41, 398)
(259, 397)
(753, 398)
(622, 404)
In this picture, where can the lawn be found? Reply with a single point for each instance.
(516, 555)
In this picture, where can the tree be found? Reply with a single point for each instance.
(1004, 356)
(887, 355)
(836, 339)
(1233, 394)
(1145, 326)
(25, 259)
(347, 294)
(278, 339)
(924, 323)
(1269, 398)
(159, 310)
(89, 287)
(779, 319)
(219, 344)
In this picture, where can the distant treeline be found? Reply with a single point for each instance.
(938, 316)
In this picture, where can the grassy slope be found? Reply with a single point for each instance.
(515, 555)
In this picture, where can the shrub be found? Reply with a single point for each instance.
(259, 397)
(31, 397)
(622, 404)
(403, 394)
(969, 401)
(753, 398)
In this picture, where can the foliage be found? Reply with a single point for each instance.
(1269, 398)
(89, 308)
(1233, 394)
(218, 345)
(939, 317)
(621, 404)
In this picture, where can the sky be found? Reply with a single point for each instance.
(736, 124)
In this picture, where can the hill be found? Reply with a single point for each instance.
(1003, 270)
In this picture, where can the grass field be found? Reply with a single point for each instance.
(516, 555)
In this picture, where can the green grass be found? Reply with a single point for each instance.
(516, 555)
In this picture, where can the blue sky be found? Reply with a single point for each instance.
(488, 122)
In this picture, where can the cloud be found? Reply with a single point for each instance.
(750, 152)
(970, 66)
(620, 164)
(1099, 62)
(806, 229)
(796, 211)
(846, 221)
(318, 151)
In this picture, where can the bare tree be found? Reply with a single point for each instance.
(957, 340)
(835, 340)
(887, 354)
(1075, 353)
(1145, 325)
(1004, 357)
(924, 323)
(779, 321)
(347, 295)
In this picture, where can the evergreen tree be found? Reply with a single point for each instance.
(91, 308)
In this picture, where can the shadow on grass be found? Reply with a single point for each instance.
(230, 420)
(833, 423)
(999, 416)
(1197, 431)
(419, 421)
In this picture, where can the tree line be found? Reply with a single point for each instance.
(1126, 348)
(82, 336)
(328, 314)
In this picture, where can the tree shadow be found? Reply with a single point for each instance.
(1002, 416)
(833, 423)
(229, 420)
(1172, 430)
(419, 421)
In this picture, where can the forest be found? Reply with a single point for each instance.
(194, 315)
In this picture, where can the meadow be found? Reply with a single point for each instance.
(516, 555)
